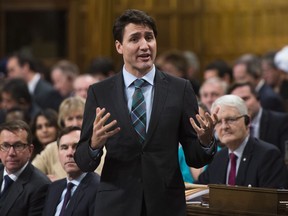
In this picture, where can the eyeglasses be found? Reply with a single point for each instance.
(18, 147)
(229, 120)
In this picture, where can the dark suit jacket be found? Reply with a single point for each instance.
(274, 129)
(133, 172)
(26, 196)
(46, 96)
(270, 100)
(261, 166)
(82, 203)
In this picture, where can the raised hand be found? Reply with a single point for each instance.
(101, 130)
(205, 131)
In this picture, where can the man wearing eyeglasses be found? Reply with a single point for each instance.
(23, 187)
(245, 160)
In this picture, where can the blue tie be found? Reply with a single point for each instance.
(138, 110)
(7, 182)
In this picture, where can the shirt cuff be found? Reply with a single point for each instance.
(211, 148)
(95, 153)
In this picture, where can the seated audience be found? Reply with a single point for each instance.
(266, 125)
(211, 89)
(70, 114)
(15, 94)
(248, 69)
(245, 160)
(23, 187)
(44, 128)
(219, 68)
(101, 68)
(63, 75)
(82, 187)
(82, 83)
(20, 65)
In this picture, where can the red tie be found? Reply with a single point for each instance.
(232, 173)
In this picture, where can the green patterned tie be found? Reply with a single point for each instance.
(138, 110)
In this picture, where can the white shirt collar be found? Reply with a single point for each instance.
(14, 176)
(77, 180)
(32, 84)
(239, 151)
(129, 78)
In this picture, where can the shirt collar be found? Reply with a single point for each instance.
(32, 84)
(129, 78)
(239, 151)
(77, 180)
(14, 176)
(257, 118)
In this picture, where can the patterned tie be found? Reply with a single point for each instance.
(232, 173)
(138, 110)
(7, 182)
(67, 197)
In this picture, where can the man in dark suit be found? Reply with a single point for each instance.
(269, 126)
(141, 174)
(85, 185)
(23, 187)
(43, 93)
(245, 160)
(248, 69)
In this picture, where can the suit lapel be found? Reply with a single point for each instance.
(55, 196)
(222, 171)
(121, 103)
(78, 194)
(160, 95)
(16, 189)
(244, 163)
(263, 125)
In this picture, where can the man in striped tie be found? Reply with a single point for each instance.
(140, 115)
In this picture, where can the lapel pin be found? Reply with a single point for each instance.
(244, 159)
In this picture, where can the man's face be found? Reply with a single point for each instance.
(270, 75)
(81, 85)
(14, 160)
(240, 74)
(61, 82)
(14, 69)
(230, 129)
(209, 93)
(67, 148)
(138, 49)
(253, 105)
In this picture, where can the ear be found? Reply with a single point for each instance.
(118, 46)
(247, 120)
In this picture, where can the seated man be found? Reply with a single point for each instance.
(23, 187)
(252, 162)
(79, 199)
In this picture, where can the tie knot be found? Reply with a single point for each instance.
(233, 157)
(139, 83)
(70, 185)
(8, 180)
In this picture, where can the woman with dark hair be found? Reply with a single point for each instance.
(44, 128)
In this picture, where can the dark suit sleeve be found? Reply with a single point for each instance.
(84, 158)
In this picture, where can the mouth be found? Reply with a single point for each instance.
(145, 57)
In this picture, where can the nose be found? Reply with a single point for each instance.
(11, 151)
(144, 44)
(70, 152)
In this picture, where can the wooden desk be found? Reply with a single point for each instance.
(237, 200)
